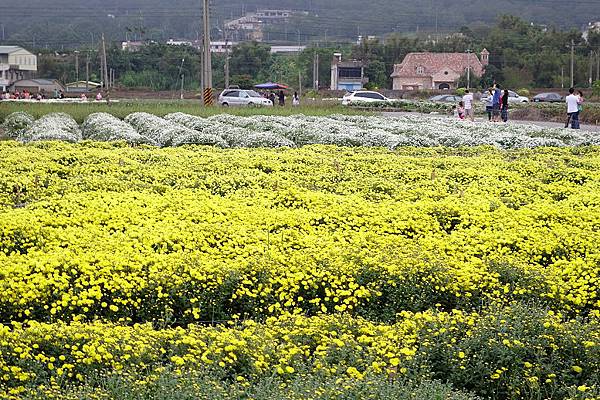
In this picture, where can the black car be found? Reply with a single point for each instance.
(548, 98)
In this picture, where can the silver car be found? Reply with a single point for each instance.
(513, 97)
(241, 97)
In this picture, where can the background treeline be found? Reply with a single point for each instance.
(522, 55)
(77, 22)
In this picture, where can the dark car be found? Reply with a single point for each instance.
(548, 98)
(445, 98)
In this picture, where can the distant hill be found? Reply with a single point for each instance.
(67, 22)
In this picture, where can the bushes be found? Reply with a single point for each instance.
(55, 126)
(179, 129)
(500, 353)
(106, 128)
(17, 123)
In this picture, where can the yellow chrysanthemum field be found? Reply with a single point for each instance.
(317, 272)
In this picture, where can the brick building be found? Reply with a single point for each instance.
(428, 71)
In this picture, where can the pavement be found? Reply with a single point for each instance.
(543, 124)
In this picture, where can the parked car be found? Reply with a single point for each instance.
(363, 96)
(240, 97)
(548, 98)
(445, 98)
(513, 97)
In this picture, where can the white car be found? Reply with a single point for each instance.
(240, 97)
(363, 97)
(513, 97)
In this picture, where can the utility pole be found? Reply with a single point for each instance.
(207, 67)
(87, 72)
(562, 77)
(3, 33)
(104, 63)
(316, 71)
(468, 69)
(598, 65)
(181, 75)
(202, 68)
(76, 66)
(572, 63)
(226, 60)
(299, 84)
(591, 68)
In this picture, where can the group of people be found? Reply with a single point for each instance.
(497, 106)
(280, 97)
(25, 95)
(58, 94)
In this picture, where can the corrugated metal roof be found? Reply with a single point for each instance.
(38, 81)
(9, 49)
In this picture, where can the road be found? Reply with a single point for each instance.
(544, 124)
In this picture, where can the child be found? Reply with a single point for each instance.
(461, 110)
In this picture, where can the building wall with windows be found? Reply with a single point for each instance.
(435, 71)
(16, 63)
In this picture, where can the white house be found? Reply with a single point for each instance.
(16, 63)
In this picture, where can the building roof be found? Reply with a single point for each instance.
(83, 83)
(430, 64)
(39, 82)
(10, 49)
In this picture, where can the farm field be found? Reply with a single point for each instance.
(256, 256)
(80, 111)
(273, 131)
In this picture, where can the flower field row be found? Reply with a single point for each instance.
(179, 129)
(478, 267)
(204, 234)
(510, 353)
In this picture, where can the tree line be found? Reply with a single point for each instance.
(523, 55)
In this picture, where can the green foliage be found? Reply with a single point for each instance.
(461, 91)
(250, 58)
(144, 79)
(155, 20)
(211, 385)
(243, 81)
(524, 92)
(80, 111)
(596, 88)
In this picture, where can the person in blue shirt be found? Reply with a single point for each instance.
(497, 101)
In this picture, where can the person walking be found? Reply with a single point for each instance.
(296, 100)
(468, 102)
(497, 99)
(572, 109)
(489, 104)
(281, 98)
(504, 105)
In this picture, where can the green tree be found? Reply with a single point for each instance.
(250, 58)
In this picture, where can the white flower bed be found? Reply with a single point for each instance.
(158, 130)
(169, 133)
(103, 127)
(299, 130)
(17, 123)
(55, 126)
